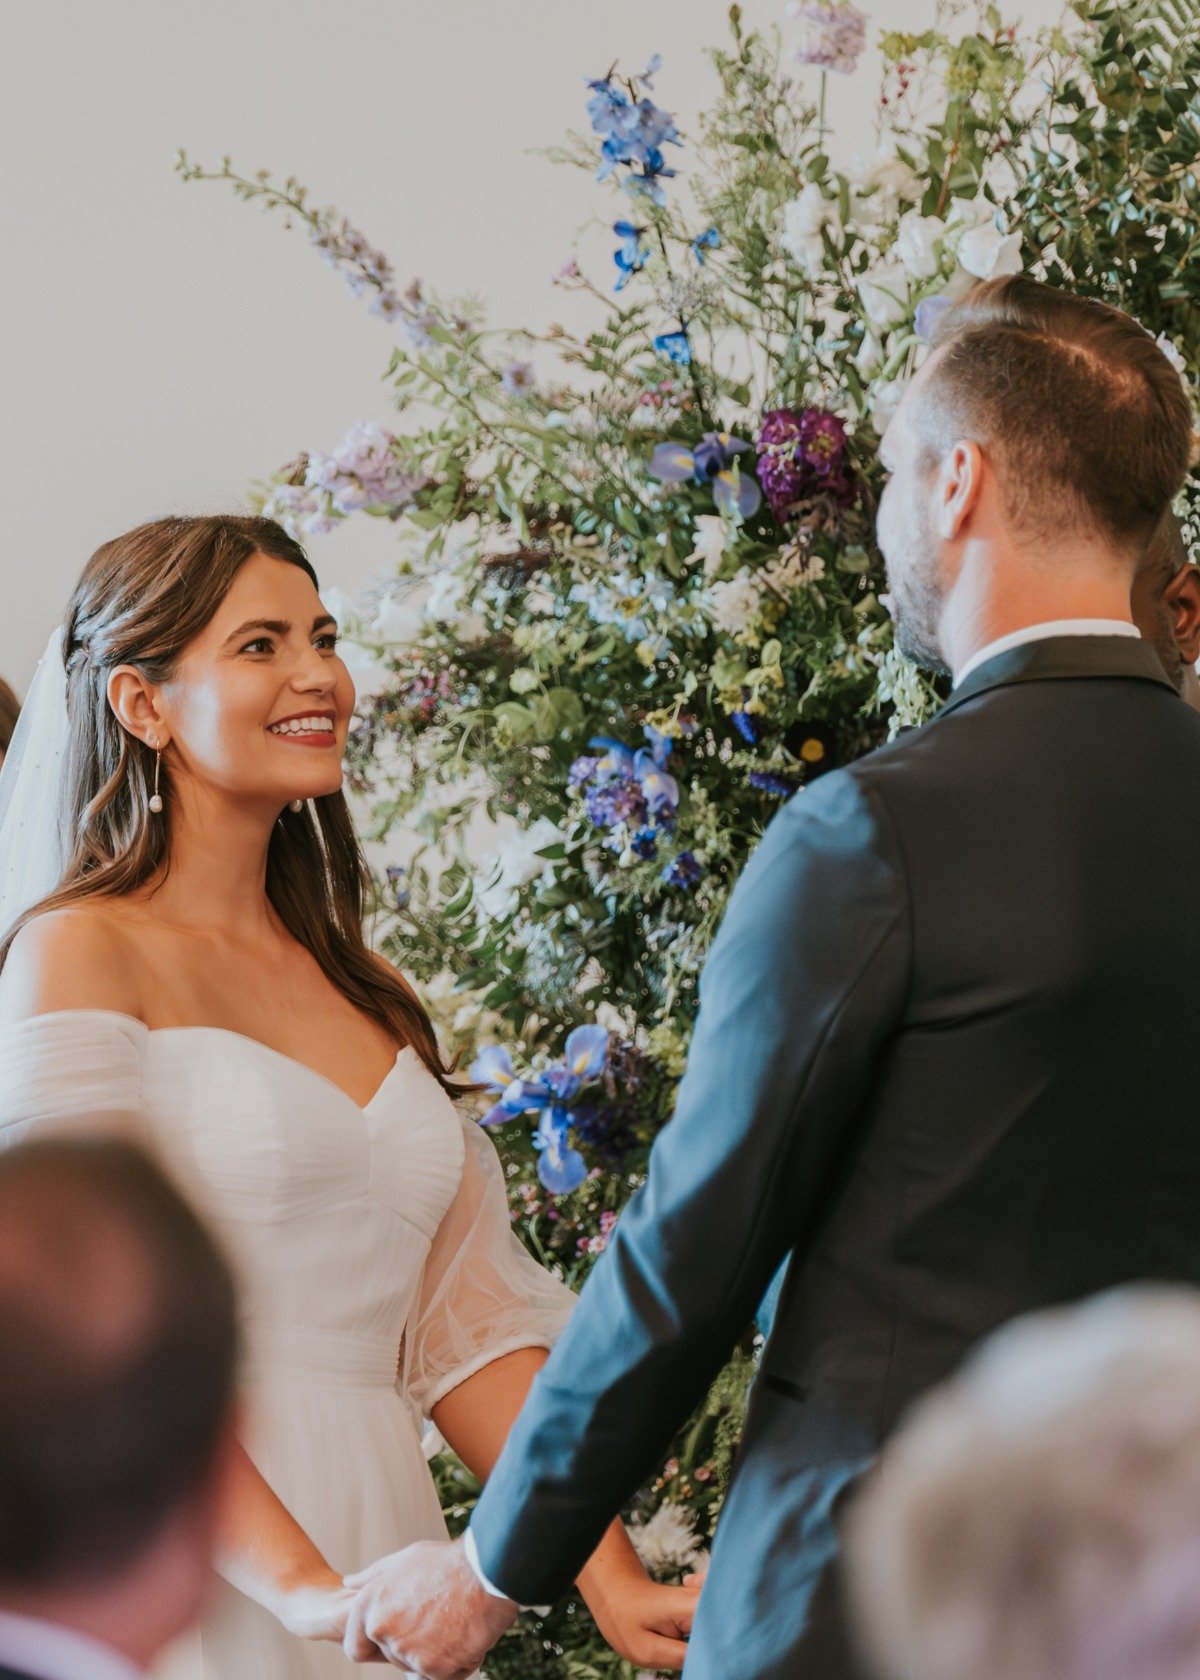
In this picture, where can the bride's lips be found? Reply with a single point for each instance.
(322, 734)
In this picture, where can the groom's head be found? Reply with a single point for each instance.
(1045, 432)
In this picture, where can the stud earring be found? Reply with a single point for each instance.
(296, 805)
(156, 803)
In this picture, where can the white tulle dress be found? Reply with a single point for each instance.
(377, 1262)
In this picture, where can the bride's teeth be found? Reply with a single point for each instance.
(302, 726)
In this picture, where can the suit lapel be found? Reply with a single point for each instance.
(1063, 658)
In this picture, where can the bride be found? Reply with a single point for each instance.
(187, 959)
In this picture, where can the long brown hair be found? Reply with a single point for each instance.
(141, 600)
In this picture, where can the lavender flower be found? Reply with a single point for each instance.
(364, 471)
(833, 34)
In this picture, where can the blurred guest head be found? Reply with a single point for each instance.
(1038, 1518)
(10, 707)
(1166, 606)
(117, 1354)
(1046, 434)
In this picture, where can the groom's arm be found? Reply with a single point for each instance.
(805, 983)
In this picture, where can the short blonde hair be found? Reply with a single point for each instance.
(1038, 1518)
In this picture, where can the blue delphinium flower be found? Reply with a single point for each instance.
(397, 880)
(633, 133)
(769, 782)
(549, 1095)
(645, 844)
(682, 871)
(706, 241)
(675, 346)
(712, 461)
(630, 255)
(747, 726)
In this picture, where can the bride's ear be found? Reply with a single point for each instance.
(135, 704)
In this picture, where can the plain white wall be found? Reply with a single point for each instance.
(164, 345)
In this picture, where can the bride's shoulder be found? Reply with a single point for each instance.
(78, 957)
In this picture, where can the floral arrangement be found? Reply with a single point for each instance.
(638, 600)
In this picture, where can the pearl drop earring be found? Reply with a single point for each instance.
(156, 803)
(296, 805)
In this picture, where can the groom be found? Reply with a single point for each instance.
(944, 1058)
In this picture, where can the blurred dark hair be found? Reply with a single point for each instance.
(10, 709)
(1088, 420)
(141, 600)
(118, 1347)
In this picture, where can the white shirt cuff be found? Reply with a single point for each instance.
(472, 1551)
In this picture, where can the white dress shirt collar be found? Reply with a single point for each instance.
(50, 1652)
(1042, 632)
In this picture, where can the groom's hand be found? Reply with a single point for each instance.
(425, 1610)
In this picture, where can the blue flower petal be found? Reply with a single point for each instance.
(736, 492)
(561, 1170)
(675, 346)
(672, 463)
(493, 1066)
(497, 1115)
(587, 1051)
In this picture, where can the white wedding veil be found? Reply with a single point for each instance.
(31, 847)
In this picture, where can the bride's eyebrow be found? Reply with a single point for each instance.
(278, 626)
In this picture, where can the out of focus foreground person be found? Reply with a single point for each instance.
(118, 1347)
(1038, 1517)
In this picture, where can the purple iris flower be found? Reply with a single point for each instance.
(712, 461)
(549, 1095)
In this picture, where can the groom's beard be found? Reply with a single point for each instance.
(917, 596)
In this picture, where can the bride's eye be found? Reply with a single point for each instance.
(260, 644)
(328, 642)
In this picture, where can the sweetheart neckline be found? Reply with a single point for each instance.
(245, 1038)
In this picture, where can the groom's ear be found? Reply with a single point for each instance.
(1183, 603)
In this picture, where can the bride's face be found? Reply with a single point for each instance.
(260, 702)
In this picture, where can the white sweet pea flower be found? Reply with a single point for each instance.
(397, 621)
(882, 170)
(884, 294)
(987, 252)
(964, 213)
(917, 240)
(514, 864)
(442, 602)
(711, 536)
(803, 219)
(1173, 354)
(868, 358)
(885, 400)
(368, 672)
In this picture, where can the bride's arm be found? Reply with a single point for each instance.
(646, 1623)
(268, 1556)
(78, 959)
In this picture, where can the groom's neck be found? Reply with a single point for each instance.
(998, 591)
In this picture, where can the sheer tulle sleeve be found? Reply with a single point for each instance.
(71, 1071)
(482, 1294)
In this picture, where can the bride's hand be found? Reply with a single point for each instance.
(645, 1623)
(317, 1609)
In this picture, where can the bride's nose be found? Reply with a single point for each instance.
(314, 674)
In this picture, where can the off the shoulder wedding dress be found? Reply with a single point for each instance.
(376, 1259)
